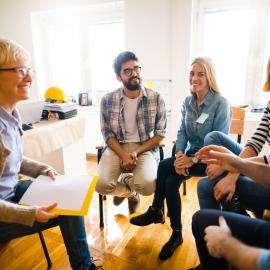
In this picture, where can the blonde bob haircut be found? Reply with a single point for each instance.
(209, 67)
(266, 85)
(10, 52)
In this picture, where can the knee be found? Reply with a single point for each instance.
(161, 170)
(164, 167)
(211, 137)
(172, 183)
(196, 218)
(146, 188)
(196, 223)
(204, 186)
(104, 187)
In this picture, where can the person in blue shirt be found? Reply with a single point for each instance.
(16, 77)
(238, 191)
(203, 111)
(226, 239)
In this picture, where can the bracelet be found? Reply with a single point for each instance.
(265, 160)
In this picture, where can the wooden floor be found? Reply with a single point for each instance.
(118, 246)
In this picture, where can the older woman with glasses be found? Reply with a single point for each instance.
(16, 77)
(203, 111)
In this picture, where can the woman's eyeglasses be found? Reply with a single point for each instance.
(22, 71)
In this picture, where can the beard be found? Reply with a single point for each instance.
(132, 86)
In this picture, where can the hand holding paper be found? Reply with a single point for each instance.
(43, 215)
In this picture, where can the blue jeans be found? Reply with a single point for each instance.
(250, 231)
(252, 196)
(167, 187)
(72, 229)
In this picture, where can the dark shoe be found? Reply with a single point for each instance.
(196, 268)
(149, 217)
(168, 249)
(133, 202)
(118, 200)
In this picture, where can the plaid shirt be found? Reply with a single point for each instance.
(151, 115)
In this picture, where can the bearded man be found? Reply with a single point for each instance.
(133, 123)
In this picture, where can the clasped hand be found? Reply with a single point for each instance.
(129, 162)
(182, 163)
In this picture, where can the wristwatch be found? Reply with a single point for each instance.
(195, 160)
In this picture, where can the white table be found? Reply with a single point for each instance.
(59, 143)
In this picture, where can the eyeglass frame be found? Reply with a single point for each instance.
(128, 71)
(22, 71)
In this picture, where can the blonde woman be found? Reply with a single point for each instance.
(203, 111)
(222, 185)
(16, 77)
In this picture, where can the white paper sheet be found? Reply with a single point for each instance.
(68, 192)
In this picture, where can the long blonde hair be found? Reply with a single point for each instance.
(209, 67)
(266, 85)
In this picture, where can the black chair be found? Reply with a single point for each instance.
(103, 197)
(45, 250)
(44, 247)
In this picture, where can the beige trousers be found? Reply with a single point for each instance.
(144, 174)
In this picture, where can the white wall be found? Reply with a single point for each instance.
(15, 21)
(180, 58)
(158, 31)
(148, 33)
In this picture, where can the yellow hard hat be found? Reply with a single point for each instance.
(55, 94)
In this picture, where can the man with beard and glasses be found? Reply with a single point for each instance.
(133, 123)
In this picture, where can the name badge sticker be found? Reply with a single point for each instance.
(202, 118)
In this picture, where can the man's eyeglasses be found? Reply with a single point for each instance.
(129, 71)
(22, 71)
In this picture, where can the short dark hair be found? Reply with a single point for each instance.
(122, 58)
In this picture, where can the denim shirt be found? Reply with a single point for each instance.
(190, 137)
(10, 131)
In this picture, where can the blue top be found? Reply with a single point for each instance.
(10, 131)
(264, 260)
(217, 111)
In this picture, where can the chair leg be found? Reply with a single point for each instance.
(48, 259)
(101, 219)
(184, 188)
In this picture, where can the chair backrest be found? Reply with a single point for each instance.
(237, 123)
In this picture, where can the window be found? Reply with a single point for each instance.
(106, 44)
(229, 33)
(64, 59)
(75, 48)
